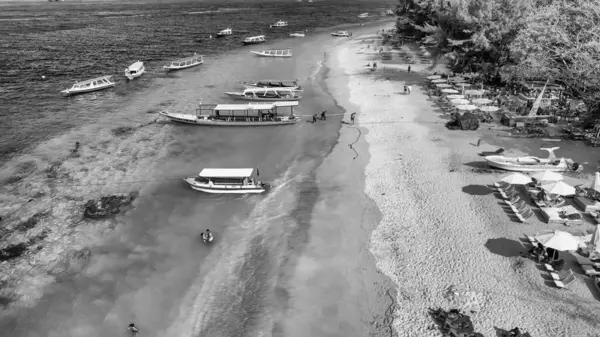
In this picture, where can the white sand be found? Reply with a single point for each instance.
(432, 235)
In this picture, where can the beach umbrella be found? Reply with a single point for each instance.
(443, 85)
(459, 101)
(547, 176)
(559, 187)
(467, 107)
(558, 240)
(596, 183)
(456, 79)
(455, 96)
(482, 101)
(516, 179)
(434, 77)
(474, 92)
(439, 80)
(489, 108)
(450, 91)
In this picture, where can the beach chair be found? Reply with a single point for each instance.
(549, 268)
(561, 275)
(527, 213)
(564, 283)
(521, 218)
(589, 270)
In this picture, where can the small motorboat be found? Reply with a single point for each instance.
(341, 34)
(95, 84)
(207, 237)
(254, 40)
(225, 32)
(279, 23)
(363, 15)
(289, 84)
(266, 94)
(273, 53)
(226, 180)
(534, 164)
(298, 34)
(135, 70)
(185, 63)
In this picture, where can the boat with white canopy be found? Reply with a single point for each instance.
(225, 32)
(227, 180)
(341, 34)
(254, 40)
(251, 114)
(135, 70)
(95, 84)
(279, 24)
(273, 53)
(290, 84)
(184, 63)
(266, 94)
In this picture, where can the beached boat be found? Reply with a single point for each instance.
(534, 164)
(279, 23)
(230, 181)
(341, 33)
(135, 70)
(225, 32)
(363, 15)
(184, 63)
(298, 34)
(254, 40)
(252, 114)
(273, 53)
(290, 84)
(95, 84)
(266, 94)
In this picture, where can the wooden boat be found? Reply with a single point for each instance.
(252, 114)
(290, 84)
(298, 34)
(230, 181)
(341, 34)
(266, 94)
(254, 40)
(185, 63)
(135, 70)
(225, 32)
(279, 23)
(534, 164)
(95, 84)
(363, 15)
(273, 53)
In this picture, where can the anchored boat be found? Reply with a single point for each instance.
(135, 70)
(341, 33)
(298, 34)
(534, 164)
(95, 84)
(279, 23)
(273, 53)
(185, 63)
(252, 114)
(290, 84)
(225, 32)
(266, 94)
(254, 40)
(231, 181)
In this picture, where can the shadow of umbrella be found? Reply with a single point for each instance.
(477, 190)
(505, 247)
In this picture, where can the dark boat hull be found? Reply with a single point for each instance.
(252, 42)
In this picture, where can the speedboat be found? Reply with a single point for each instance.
(230, 181)
(254, 39)
(298, 34)
(266, 94)
(273, 53)
(341, 33)
(225, 32)
(185, 63)
(279, 23)
(135, 70)
(289, 84)
(534, 164)
(95, 84)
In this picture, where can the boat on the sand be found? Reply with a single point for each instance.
(251, 114)
(227, 180)
(290, 84)
(185, 63)
(94, 84)
(266, 94)
(273, 53)
(135, 70)
(534, 164)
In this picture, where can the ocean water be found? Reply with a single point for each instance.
(152, 268)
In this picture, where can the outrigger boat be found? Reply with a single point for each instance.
(225, 32)
(252, 114)
(534, 164)
(273, 53)
(266, 94)
(289, 84)
(341, 34)
(279, 23)
(230, 181)
(95, 84)
(254, 40)
(298, 34)
(184, 63)
(135, 70)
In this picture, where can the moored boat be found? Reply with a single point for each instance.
(363, 15)
(341, 33)
(534, 164)
(135, 70)
(227, 180)
(184, 63)
(279, 23)
(254, 40)
(266, 94)
(252, 114)
(290, 84)
(225, 32)
(273, 53)
(94, 84)
(298, 34)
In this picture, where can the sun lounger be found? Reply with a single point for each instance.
(531, 240)
(589, 270)
(521, 218)
(502, 185)
(561, 275)
(527, 213)
(564, 283)
(549, 268)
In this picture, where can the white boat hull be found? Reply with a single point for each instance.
(224, 189)
(526, 164)
(257, 53)
(172, 68)
(297, 35)
(192, 119)
(71, 92)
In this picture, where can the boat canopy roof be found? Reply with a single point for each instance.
(136, 65)
(95, 79)
(226, 173)
(255, 37)
(269, 89)
(244, 107)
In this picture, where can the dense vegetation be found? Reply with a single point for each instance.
(514, 40)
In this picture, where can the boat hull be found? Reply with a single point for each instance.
(170, 68)
(224, 189)
(191, 119)
(86, 90)
(252, 42)
(268, 55)
(134, 76)
(241, 97)
(526, 166)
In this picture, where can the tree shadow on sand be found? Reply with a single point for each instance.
(505, 247)
(477, 190)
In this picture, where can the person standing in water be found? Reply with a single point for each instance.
(409, 69)
(352, 116)
(323, 118)
(314, 118)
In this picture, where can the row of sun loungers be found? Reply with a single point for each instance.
(514, 201)
(561, 279)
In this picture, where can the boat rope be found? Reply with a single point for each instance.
(356, 140)
(389, 314)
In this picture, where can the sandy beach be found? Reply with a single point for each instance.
(431, 237)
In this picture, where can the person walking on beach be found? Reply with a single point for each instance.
(352, 116)
(323, 118)
(409, 69)
(405, 89)
(314, 118)
(409, 89)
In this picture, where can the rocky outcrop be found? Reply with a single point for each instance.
(108, 205)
